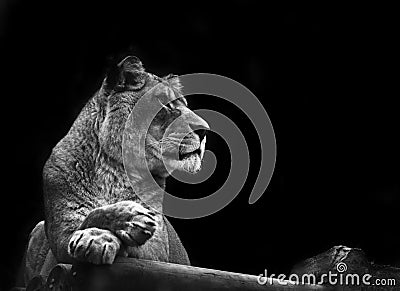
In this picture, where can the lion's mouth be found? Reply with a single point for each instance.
(191, 155)
(186, 155)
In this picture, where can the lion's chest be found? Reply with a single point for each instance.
(113, 186)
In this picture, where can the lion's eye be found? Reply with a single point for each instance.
(169, 106)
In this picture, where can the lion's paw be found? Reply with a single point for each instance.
(131, 222)
(94, 245)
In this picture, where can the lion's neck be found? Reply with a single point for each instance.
(107, 173)
(119, 183)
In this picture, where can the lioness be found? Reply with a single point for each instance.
(92, 210)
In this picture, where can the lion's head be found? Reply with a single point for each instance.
(144, 109)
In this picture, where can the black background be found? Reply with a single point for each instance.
(326, 76)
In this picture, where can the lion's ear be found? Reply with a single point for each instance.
(128, 75)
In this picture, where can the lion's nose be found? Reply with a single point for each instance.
(199, 129)
(197, 124)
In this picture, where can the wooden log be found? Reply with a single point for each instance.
(134, 274)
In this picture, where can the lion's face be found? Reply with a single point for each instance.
(177, 136)
(150, 111)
